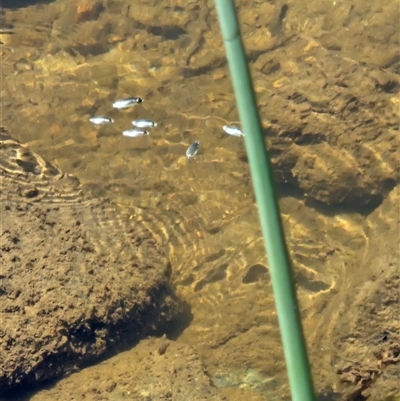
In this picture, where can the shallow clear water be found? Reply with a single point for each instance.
(70, 60)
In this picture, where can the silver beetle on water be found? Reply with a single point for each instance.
(193, 149)
(128, 102)
(233, 130)
(135, 132)
(101, 120)
(142, 123)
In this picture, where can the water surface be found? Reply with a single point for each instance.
(68, 61)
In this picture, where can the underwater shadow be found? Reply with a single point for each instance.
(172, 330)
(13, 4)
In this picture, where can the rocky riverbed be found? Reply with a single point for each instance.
(327, 81)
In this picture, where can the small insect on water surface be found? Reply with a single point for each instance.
(193, 149)
(233, 130)
(128, 102)
(135, 132)
(101, 120)
(142, 123)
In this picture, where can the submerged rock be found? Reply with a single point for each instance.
(78, 279)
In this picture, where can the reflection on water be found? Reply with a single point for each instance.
(68, 61)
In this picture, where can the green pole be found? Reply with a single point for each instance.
(263, 182)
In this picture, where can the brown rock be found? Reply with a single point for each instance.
(72, 288)
(88, 10)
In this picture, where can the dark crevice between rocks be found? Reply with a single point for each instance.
(333, 209)
(357, 396)
(288, 189)
(301, 137)
(167, 32)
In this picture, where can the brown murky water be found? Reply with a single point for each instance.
(65, 62)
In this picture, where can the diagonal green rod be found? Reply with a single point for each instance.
(264, 187)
